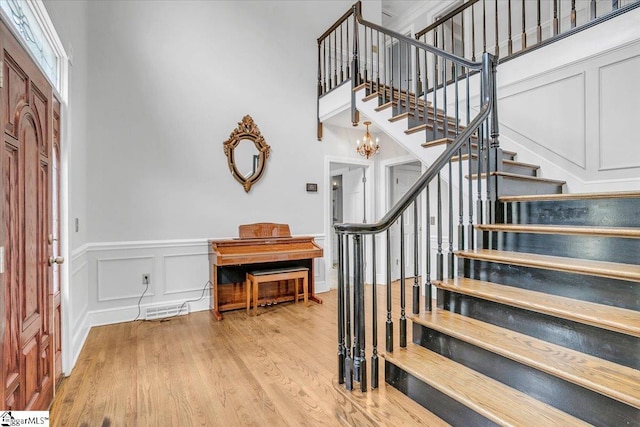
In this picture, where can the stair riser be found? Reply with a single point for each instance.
(597, 248)
(568, 397)
(517, 187)
(435, 401)
(510, 168)
(601, 290)
(602, 343)
(614, 212)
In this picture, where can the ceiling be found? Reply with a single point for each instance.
(394, 8)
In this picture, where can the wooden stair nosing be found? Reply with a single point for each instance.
(602, 376)
(492, 399)
(520, 177)
(372, 95)
(601, 316)
(360, 86)
(384, 106)
(624, 232)
(609, 269)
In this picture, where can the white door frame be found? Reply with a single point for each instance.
(370, 204)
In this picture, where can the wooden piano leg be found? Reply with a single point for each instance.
(217, 314)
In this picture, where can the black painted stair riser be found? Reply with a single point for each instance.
(609, 345)
(597, 248)
(450, 410)
(582, 403)
(602, 212)
(584, 287)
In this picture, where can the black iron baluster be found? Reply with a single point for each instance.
(341, 57)
(324, 64)
(573, 13)
(374, 317)
(524, 26)
(341, 317)
(416, 272)
(471, 243)
(335, 59)
(484, 26)
(389, 324)
(460, 181)
(435, 98)
(348, 361)
(497, 48)
(450, 219)
(439, 255)
(473, 32)
(403, 318)
(355, 71)
(407, 73)
(359, 359)
(347, 50)
(392, 72)
(386, 68)
(593, 9)
(427, 302)
(539, 26)
(556, 26)
(510, 39)
(331, 85)
(614, 5)
(378, 62)
(366, 49)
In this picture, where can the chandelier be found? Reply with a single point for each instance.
(367, 147)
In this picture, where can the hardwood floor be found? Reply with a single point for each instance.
(276, 369)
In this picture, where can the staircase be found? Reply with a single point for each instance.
(536, 320)
(515, 178)
(542, 325)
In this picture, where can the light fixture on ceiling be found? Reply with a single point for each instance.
(367, 147)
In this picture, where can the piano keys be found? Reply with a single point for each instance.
(260, 246)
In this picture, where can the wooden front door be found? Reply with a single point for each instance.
(26, 105)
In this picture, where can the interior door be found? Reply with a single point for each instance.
(26, 320)
(403, 177)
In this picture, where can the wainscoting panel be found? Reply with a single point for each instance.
(619, 107)
(558, 126)
(121, 278)
(185, 272)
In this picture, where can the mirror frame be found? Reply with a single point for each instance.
(247, 130)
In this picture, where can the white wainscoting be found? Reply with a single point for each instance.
(106, 283)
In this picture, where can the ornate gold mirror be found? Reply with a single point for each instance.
(247, 153)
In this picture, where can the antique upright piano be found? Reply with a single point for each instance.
(260, 246)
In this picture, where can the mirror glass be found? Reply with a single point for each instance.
(247, 153)
(245, 157)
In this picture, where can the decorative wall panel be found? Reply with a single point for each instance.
(119, 278)
(619, 91)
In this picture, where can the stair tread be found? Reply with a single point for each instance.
(384, 106)
(602, 316)
(609, 269)
(627, 232)
(477, 391)
(570, 196)
(383, 406)
(610, 379)
(521, 177)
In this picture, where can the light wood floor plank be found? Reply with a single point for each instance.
(275, 369)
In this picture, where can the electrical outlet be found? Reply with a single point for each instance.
(146, 279)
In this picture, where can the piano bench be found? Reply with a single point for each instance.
(254, 278)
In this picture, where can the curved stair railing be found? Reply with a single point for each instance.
(384, 64)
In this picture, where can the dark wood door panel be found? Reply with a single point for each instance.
(27, 349)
